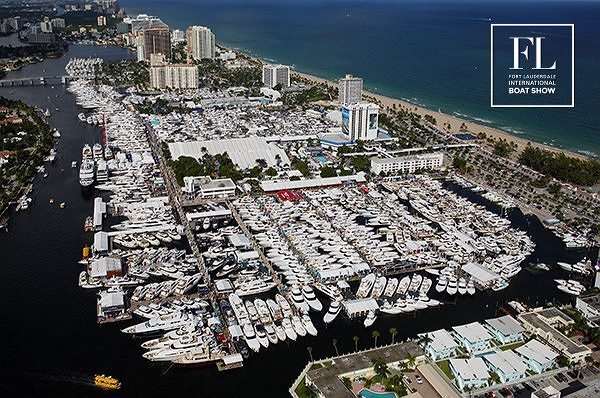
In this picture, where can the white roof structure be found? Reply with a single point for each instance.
(470, 369)
(441, 340)
(337, 273)
(236, 331)
(232, 358)
(480, 273)
(111, 299)
(507, 362)
(244, 152)
(211, 213)
(101, 267)
(506, 325)
(536, 351)
(223, 285)
(99, 211)
(274, 185)
(360, 306)
(239, 240)
(100, 241)
(473, 332)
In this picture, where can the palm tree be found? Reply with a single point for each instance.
(309, 349)
(355, 338)
(380, 368)
(393, 332)
(375, 335)
(335, 346)
(411, 360)
(424, 340)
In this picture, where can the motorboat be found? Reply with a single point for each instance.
(298, 300)
(311, 299)
(308, 325)
(370, 319)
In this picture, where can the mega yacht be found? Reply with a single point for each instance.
(298, 300)
(311, 299)
(161, 323)
(87, 173)
(332, 312)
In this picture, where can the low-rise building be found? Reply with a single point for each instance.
(590, 308)
(473, 337)
(507, 365)
(538, 356)
(546, 392)
(544, 323)
(506, 329)
(441, 346)
(407, 164)
(469, 373)
(209, 188)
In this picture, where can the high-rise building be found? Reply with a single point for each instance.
(201, 42)
(177, 36)
(350, 90)
(359, 121)
(272, 75)
(176, 76)
(101, 20)
(155, 40)
(57, 22)
(142, 21)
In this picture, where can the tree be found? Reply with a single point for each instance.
(309, 349)
(271, 172)
(494, 378)
(355, 338)
(261, 163)
(375, 334)
(328, 171)
(424, 340)
(380, 368)
(334, 342)
(411, 361)
(393, 332)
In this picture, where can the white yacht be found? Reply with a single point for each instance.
(310, 328)
(311, 299)
(87, 173)
(298, 300)
(289, 329)
(332, 312)
(250, 336)
(161, 323)
(298, 325)
(370, 319)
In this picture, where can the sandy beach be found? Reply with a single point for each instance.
(443, 119)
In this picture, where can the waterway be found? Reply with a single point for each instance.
(50, 343)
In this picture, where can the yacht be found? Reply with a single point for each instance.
(462, 286)
(370, 319)
(250, 336)
(332, 312)
(298, 300)
(366, 284)
(441, 285)
(87, 173)
(298, 325)
(310, 328)
(261, 335)
(161, 323)
(378, 287)
(311, 299)
(471, 287)
(452, 287)
(289, 329)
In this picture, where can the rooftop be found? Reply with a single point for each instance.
(507, 362)
(506, 325)
(538, 322)
(536, 351)
(473, 332)
(327, 379)
(441, 340)
(470, 369)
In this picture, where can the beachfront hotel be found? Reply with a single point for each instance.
(359, 121)
(272, 75)
(350, 90)
(201, 42)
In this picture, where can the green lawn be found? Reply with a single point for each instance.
(512, 346)
(445, 367)
(304, 391)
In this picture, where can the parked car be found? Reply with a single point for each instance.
(419, 379)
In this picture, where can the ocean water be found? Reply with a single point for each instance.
(432, 53)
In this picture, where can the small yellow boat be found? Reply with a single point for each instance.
(106, 382)
(86, 252)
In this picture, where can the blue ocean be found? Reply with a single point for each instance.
(432, 53)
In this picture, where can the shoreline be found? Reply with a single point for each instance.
(455, 122)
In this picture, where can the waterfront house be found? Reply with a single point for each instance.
(590, 308)
(505, 329)
(507, 365)
(473, 337)
(469, 373)
(538, 356)
(441, 346)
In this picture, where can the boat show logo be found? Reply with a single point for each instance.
(532, 65)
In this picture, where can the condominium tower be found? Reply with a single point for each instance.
(201, 42)
(276, 74)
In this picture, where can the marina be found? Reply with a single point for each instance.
(273, 273)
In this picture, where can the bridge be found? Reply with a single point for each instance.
(36, 81)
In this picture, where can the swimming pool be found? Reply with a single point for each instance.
(321, 159)
(372, 394)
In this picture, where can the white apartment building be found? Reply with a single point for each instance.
(360, 121)
(176, 76)
(407, 164)
(177, 36)
(350, 90)
(273, 75)
(201, 42)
